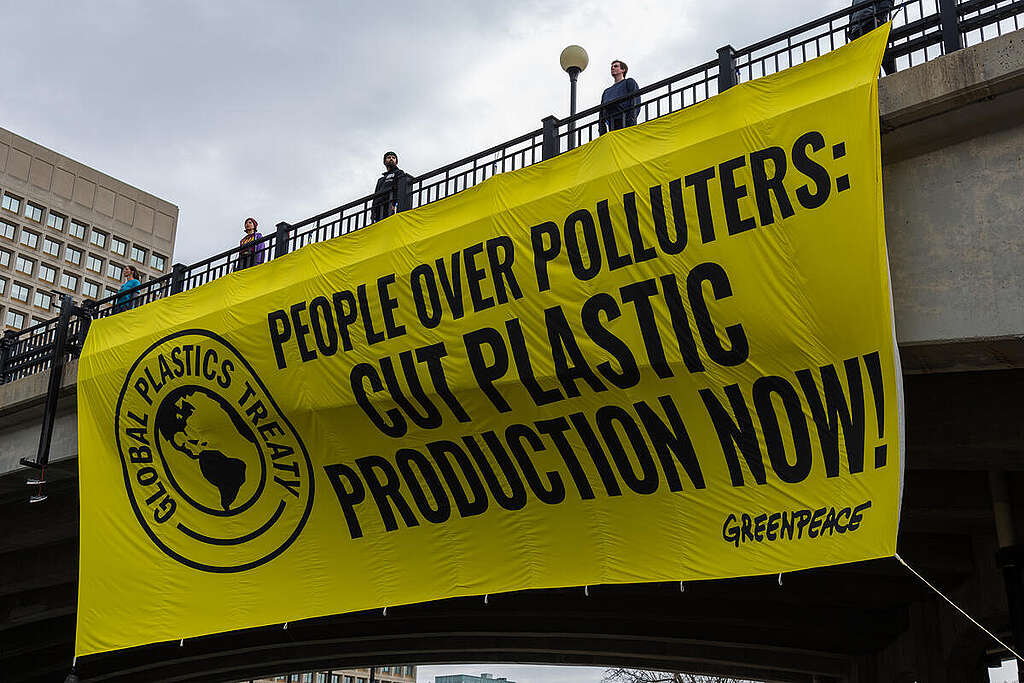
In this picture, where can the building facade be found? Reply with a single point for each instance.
(469, 678)
(383, 674)
(66, 228)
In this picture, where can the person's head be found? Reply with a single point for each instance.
(619, 69)
(130, 273)
(250, 225)
(390, 160)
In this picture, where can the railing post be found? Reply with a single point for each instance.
(949, 18)
(87, 312)
(178, 271)
(6, 349)
(549, 146)
(281, 243)
(67, 306)
(726, 68)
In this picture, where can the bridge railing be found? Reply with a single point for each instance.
(922, 30)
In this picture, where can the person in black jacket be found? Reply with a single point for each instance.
(867, 19)
(392, 192)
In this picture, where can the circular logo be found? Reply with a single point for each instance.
(216, 474)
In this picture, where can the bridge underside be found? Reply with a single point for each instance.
(860, 623)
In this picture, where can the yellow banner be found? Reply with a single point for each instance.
(666, 355)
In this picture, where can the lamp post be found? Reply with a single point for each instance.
(573, 60)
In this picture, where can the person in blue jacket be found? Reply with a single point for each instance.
(620, 114)
(126, 293)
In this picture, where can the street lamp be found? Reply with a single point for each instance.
(573, 60)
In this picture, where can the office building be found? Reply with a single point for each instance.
(469, 678)
(66, 228)
(383, 674)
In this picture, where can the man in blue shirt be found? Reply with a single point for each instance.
(619, 114)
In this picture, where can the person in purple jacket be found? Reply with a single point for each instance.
(251, 246)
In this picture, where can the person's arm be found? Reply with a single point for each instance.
(133, 291)
(634, 102)
(380, 200)
(260, 246)
(403, 188)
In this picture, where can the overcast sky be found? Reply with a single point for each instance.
(281, 110)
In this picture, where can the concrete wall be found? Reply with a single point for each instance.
(953, 155)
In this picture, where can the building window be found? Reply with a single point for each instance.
(94, 264)
(15, 319)
(29, 239)
(90, 289)
(7, 230)
(12, 203)
(118, 246)
(47, 273)
(5, 258)
(77, 229)
(3, 285)
(109, 291)
(33, 212)
(19, 292)
(350, 679)
(157, 261)
(98, 238)
(72, 255)
(114, 271)
(55, 221)
(42, 300)
(51, 247)
(69, 281)
(24, 264)
(138, 254)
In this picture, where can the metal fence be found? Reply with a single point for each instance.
(922, 30)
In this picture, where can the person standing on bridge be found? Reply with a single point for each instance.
(866, 19)
(392, 192)
(621, 114)
(251, 246)
(127, 291)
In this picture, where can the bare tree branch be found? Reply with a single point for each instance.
(645, 676)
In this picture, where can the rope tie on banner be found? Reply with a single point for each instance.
(958, 609)
(285, 627)
(780, 578)
(385, 613)
(486, 595)
(586, 591)
(181, 643)
(682, 587)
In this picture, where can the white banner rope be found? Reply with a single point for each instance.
(957, 607)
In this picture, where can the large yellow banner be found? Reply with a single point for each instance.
(666, 355)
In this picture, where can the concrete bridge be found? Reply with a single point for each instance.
(953, 154)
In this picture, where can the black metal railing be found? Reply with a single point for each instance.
(922, 30)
